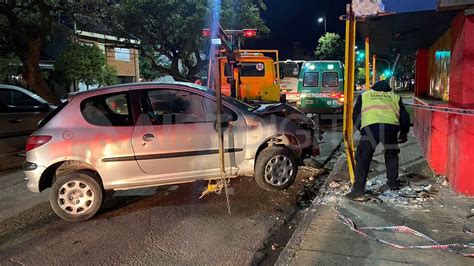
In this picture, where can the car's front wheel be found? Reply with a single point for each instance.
(76, 196)
(275, 168)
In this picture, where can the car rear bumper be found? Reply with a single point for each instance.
(33, 177)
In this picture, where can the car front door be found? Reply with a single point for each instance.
(175, 134)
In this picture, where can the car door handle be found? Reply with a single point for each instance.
(16, 121)
(148, 137)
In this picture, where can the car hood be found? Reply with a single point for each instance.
(284, 110)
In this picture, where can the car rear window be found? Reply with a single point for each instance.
(290, 70)
(330, 79)
(255, 69)
(108, 110)
(310, 79)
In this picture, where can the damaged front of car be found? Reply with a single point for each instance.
(281, 124)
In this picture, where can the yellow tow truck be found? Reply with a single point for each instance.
(256, 75)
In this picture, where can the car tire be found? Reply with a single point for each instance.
(76, 196)
(275, 168)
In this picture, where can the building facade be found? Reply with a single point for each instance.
(123, 59)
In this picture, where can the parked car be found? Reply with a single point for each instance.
(20, 113)
(152, 134)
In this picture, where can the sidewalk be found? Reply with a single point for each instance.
(436, 212)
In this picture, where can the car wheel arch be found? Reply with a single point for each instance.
(285, 140)
(62, 167)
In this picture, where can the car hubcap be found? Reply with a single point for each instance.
(75, 197)
(278, 170)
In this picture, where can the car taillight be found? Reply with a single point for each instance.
(35, 141)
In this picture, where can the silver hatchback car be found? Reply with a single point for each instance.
(152, 134)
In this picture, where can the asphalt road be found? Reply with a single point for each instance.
(166, 225)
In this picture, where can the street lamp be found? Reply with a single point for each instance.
(321, 20)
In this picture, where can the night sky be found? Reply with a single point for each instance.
(296, 21)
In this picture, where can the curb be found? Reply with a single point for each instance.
(290, 249)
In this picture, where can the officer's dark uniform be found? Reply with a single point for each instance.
(380, 115)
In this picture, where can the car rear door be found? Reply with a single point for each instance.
(175, 136)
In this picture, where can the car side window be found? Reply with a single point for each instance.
(178, 107)
(13, 101)
(108, 110)
(21, 99)
(211, 111)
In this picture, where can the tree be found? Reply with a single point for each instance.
(9, 65)
(26, 24)
(330, 47)
(360, 75)
(405, 70)
(170, 31)
(86, 64)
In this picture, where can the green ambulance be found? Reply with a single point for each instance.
(321, 87)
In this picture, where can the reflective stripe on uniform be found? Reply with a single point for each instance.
(379, 107)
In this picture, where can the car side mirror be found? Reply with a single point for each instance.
(43, 107)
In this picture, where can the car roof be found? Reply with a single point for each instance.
(129, 85)
(19, 89)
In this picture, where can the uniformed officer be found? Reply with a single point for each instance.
(380, 116)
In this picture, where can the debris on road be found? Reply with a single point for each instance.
(413, 196)
(334, 184)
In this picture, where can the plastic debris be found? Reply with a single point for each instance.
(334, 184)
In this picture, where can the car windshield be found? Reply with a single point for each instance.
(234, 102)
(240, 104)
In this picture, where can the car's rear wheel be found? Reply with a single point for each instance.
(76, 196)
(275, 168)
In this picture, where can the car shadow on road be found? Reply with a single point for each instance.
(243, 193)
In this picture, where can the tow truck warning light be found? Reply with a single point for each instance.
(249, 33)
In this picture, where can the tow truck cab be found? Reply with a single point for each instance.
(256, 75)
